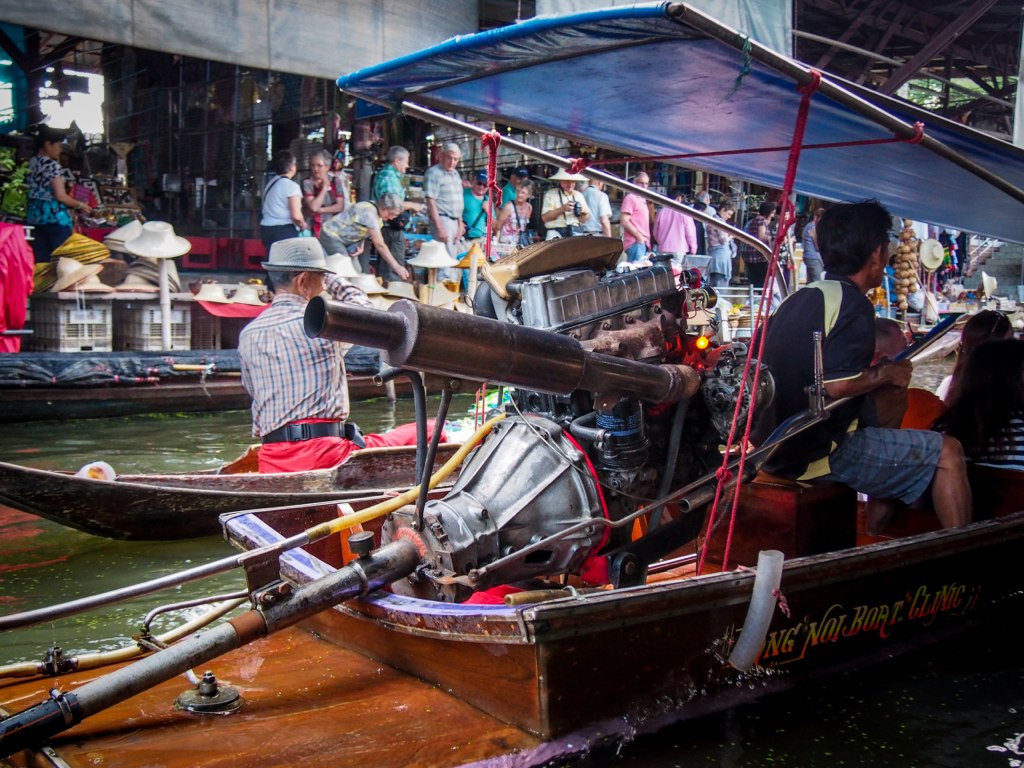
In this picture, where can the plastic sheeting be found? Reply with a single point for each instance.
(642, 81)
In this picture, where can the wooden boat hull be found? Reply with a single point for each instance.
(165, 507)
(627, 659)
(217, 393)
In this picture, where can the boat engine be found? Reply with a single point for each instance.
(619, 399)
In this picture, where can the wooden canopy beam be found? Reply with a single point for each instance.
(938, 43)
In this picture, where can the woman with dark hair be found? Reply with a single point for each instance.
(48, 199)
(985, 325)
(282, 202)
(986, 408)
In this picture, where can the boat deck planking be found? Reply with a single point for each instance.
(305, 700)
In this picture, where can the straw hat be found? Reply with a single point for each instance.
(464, 262)
(157, 241)
(212, 292)
(988, 284)
(382, 301)
(562, 175)
(438, 295)
(296, 254)
(931, 253)
(398, 290)
(115, 240)
(247, 294)
(93, 284)
(71, 272)
(82, 248)
(367, 284)
(433, 255)
(136, 283)
(341, 265)
(43, 276)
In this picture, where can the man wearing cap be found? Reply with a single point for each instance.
(564, 209)
(347, 232)
(508, 192)
(297, 384)
(474, 207)
(442, 187)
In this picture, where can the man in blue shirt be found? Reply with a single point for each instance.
(474, 210)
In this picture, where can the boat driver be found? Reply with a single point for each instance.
(849, 447)
(297, 384)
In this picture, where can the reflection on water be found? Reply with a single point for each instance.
(43, 563)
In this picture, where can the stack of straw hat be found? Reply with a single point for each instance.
(155, 242)
(78, 248)
(72, 275)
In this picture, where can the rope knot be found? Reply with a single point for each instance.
(577, 164)
(918, 134)
(810, 87)
(723, 474)
(491, 140)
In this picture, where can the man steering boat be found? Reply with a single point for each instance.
(298, 385)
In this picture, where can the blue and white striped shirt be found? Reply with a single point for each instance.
(289, 375)
(1007, 450)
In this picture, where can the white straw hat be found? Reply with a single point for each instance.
(931, 253)
(71, 272)
(367, 284)
(433, 255)
(158, 241)
(399, 290)
(212, 292)
(562, 175)
(115, 240)
(341, 265)
(247, 294)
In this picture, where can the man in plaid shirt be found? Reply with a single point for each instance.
(297, 384)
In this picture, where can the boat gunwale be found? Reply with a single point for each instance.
(575, 615)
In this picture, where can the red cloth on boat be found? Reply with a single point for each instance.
(16, 269)
(492, 596)
(327, 452)
(217, 309)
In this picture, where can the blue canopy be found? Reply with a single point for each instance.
(665, 79)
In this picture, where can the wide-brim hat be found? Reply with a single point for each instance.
(70, 272)
(148, 269)
(438, 295)
(247, 294)
(367, 284)
(296, 254)
(467, 258)
(988, 284)
(212, 292)
(400, 290)
(137, 283)
(157, 241)
(382, 301)
(93, 284)
(115, 240)
(563, 175)
(433, 255)
(341, 265)
(931, 254)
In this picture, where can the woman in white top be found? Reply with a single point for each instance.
(282, 202)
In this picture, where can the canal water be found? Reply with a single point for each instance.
(959, 704)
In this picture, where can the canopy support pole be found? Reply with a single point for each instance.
(438, 118)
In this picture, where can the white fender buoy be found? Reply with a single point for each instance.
(759, 614)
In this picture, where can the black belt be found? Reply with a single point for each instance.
(291, 433)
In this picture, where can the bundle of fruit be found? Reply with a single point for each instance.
(905, 265)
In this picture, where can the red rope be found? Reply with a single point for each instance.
(785, 222)
(490, 142)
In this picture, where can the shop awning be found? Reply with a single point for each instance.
(665, 79)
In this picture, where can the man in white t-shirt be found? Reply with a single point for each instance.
(282, 202)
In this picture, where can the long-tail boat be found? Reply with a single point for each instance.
(588, 510)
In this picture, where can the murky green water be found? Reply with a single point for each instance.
(960, 704)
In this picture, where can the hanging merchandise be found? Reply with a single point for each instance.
(905, 265)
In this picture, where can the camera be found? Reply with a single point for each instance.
(577, 209)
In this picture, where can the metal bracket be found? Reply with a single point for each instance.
(817, 390)
(263, 577)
